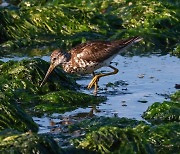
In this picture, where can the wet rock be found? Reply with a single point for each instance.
(142, 101)
(141, 75)
(25, 143)
(177, 86)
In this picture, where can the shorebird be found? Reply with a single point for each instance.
(88, 57)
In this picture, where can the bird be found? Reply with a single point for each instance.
(87, 57)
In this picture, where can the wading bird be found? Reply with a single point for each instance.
(88, 57)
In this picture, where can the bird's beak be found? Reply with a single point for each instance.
(51, 68)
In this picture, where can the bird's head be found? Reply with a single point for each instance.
(58, 57)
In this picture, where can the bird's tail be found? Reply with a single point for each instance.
(122, 45)
(127, 42)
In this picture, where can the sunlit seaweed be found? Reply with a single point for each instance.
(67, 23)
(165, 137)
(116, 140)
(25, 143)
(95, 123)
(20, 82)
(168, 111)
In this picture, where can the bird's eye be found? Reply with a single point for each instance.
(54, 59)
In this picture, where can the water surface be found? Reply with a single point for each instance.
(140, 82)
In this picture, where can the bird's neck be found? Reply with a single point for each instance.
(67, 65)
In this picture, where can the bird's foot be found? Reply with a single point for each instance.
(95, 92)
(93, 82)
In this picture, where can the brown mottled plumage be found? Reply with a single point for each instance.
(88, 57)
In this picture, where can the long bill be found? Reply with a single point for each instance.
(137, 39)
(51, 68)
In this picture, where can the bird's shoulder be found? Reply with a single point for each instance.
(100, 50)
(93, 50)
(91, 46)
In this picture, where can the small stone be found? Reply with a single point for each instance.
(177, 86)
(141, 75)
(124, 104)
(142, 101)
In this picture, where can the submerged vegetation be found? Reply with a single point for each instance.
(34, 28)
(121, 135)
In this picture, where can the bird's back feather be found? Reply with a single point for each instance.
(98, 51)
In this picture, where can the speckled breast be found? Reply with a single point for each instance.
(80, 66)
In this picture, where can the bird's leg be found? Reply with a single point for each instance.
(95, 85)
(94, 81)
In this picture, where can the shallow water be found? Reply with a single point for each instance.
(140, 82)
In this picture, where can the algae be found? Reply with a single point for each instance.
(14, 117)
(66, 23)
(29, 73)
(165, 138)
(20, 80)
(95, 123)
(114, 140)
(168, 111)
(35, 28)
(135, 137)
(176, 96)
(65, 100)
(27, 143)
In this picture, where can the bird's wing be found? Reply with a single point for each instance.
(99, 51)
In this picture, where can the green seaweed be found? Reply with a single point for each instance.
(14, 117)
(114, 140)
(176, 96)
(165, 138)
(65, 100)
(20, 80)
(27, 143)
(47, 25)
(24, 77)
(135, 137)
(164, 112)
(28, 74)
(36, 24)
(95, 123)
